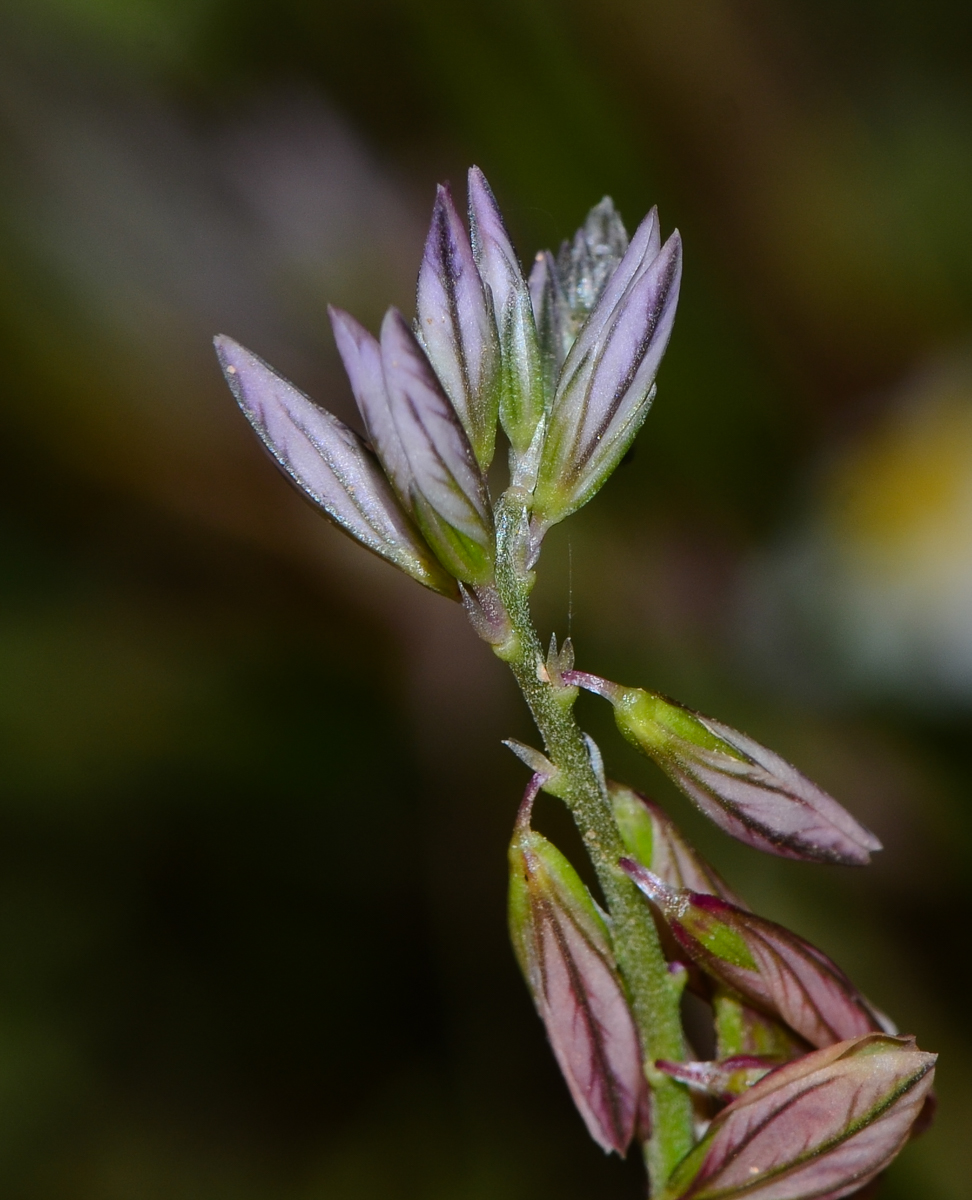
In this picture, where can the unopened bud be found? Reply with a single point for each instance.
(330, 464)
(822, 1126)
(747, 790)
(767, 965)
(564, 949)
(607, 381)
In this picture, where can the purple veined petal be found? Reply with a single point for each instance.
(606, 385)
(747, 790)
(773, 801)
(329, 463)
(449, 492)
(456, 326)
(770, 967)
(823, 1126)
(521, 396)
(361, 355)
(564, 950)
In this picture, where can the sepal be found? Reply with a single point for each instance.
(822, 1126)
(770, 967)
(456, 326)
(747, 790)
(330, 464)
(564, 949)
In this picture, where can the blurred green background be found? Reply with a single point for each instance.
(253, 806)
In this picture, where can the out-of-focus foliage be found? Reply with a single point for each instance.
(252, 804)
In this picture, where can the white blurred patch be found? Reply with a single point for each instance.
(872, 590)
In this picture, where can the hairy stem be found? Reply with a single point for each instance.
(653, 991)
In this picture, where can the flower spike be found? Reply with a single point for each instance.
(564, 950)
(330, 464)
(449, 494)
(747, 790)
(521, 400)
(823, 1126)
(456, 327)
(767, 965)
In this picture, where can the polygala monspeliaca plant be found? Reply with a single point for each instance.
(812, 1092)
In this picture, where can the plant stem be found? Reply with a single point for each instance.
(653, 991)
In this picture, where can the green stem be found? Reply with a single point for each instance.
(653, 991)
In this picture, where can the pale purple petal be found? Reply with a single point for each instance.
(521, 381)
(456, 326)
(329, 463)
(361, 355)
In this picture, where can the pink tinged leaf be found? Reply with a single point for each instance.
(770, 967)
(823, 1126)
(521, 399)
(565, 952)
(449, 492)
(330, 464)
(361, 355)
(457, 328)
(606, 384)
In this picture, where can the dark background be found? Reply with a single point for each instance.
(253, 805)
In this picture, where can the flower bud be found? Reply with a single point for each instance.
(654, 841)
(330, 465)
(585, 264)
(742, 1030)
(822, 1126)
(521, 399)
(764, 963)
(564, 949)
(456, 327)
(449, 493)
(747, 790)
(606, 383)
